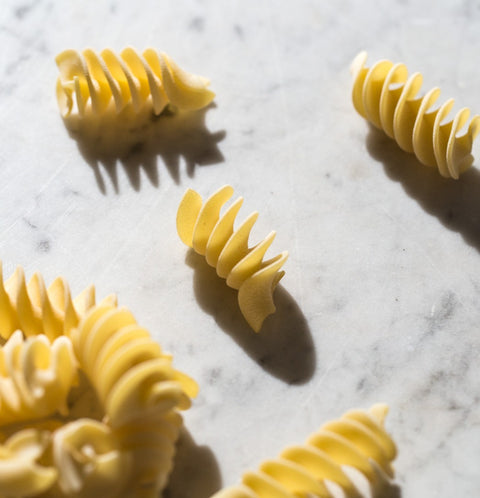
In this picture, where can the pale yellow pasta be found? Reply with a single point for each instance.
(388, 98)
(36, 376)
(91, 80)
(89, 460)
(21, 475)
(212, 235)
(35, 310)
(358, 439)
(132, 376)
(150, 444)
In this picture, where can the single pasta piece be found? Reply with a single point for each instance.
(358, 439)
(131, 375)
(36, 376)
(21, 475)
(35, 310)
(388, 98)
(132, 77)
(201, 227)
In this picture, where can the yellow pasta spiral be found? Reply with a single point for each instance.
(35, 310)
(35, 377)
(358, 439)
(128, 78)
(388, 98)
(21, 474)
(131, 375)
(201, 227)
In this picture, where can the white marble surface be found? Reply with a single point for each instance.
(380, 301)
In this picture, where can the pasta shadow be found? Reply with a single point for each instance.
(137, 140)
(456, 203)
(195, 472)
(284, 346)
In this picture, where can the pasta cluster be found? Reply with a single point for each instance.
(201, 227)
(388, 98)
(34, 309)
(358, 439)
(51, 443)
(96, 80)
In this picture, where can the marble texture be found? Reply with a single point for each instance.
(380, 298)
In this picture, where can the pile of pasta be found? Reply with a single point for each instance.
(89, 403)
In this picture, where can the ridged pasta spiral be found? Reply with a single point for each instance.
(201, 227)
(128, 78)
(35, 310)
(36, 376)
(358, 439)
(21, 474)
(387, 97)
(132, 376)
(139, 390)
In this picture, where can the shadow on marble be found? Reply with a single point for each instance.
(284, 346)
(135, 141)
(456, 203)
(195, 473)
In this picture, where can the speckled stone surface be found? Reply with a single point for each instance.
(380, 301)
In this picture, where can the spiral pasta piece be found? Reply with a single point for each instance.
(131, 375)
(21, 475)
(89, 460)
(201, 227)
(128, 78)
(35, 310)
(358, 439)
(388, 98)
(36, 376)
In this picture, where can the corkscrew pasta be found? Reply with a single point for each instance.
(34, 309)
(131, 375)
(201, 227)
(96, 80)
(388, 98)
(21, 474)
(36, 376)
(89, 403)
(358, 439)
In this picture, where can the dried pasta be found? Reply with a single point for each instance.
(89, 403)
(34, 309)
(21, 474)
(358, 439)
(201, 227)
(35, 377)
(131, 375)
(388, 98)
(94, 80)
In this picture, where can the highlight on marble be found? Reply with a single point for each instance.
(89, 403)
(97, 82)
(387, 97)
(211, 234)
(322, 466)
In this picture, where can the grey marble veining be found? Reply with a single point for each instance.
(381, 292)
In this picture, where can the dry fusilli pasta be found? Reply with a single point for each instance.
(358, 439)
(128, 78)
(201, 227)
(388, 98)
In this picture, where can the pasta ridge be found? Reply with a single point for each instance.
(35, 310)
(358, 439)
(95, 80)
(387, 97)
(201, 227)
